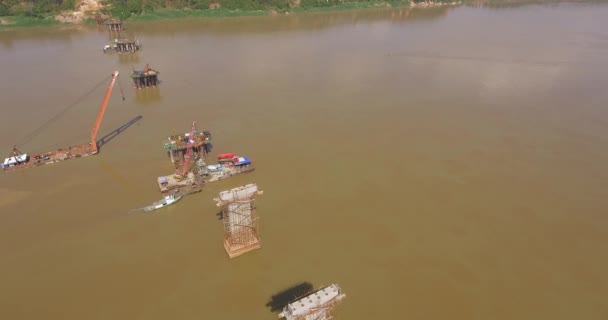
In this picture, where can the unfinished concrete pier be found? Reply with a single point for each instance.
(240, 220)
(317, 305)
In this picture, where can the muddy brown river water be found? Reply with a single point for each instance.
(441, 163)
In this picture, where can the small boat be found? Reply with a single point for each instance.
(166, 201)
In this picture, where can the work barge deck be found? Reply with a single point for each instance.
(201, 174)
(20, 160)
(188, 152)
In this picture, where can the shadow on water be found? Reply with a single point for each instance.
(108, 137)
(281, 299)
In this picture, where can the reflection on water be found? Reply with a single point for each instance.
(148, 96)
(130, 59)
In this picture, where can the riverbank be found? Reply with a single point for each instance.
(221, 13)
(214, 12)
(22, 21)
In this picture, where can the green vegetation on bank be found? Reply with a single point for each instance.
(164, 13)
(26, 21)
(154, 9)
(40, 12)
(15, 13)
(34, 8)
(187, 13)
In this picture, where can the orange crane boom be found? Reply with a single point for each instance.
(102, 110)
(191, 141)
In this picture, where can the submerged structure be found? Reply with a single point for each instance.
(145, 78)
(240, 220)
(317, 305)
(19, 160)
(122, 46)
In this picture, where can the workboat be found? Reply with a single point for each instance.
(166, 201)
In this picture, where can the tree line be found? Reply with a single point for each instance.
(34, 8)
(125, 8)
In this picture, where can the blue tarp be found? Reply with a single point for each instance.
(240, 161)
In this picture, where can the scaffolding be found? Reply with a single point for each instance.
(239, 219)
(317, 305)
(177, 145)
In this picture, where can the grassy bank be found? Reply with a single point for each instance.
(137, 10)
(175, 14)
(355, 6)
(22, 21)
(228, 8)
(253, 10)
(219, 13)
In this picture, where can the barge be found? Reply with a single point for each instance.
(227, 169)
(201, 173)
(19, 160)
(122, 46)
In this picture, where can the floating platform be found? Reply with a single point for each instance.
(184, 185)
(24, 161)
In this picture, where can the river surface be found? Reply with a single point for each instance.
(445, 163)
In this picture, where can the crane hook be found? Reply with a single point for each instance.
(121, 92)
